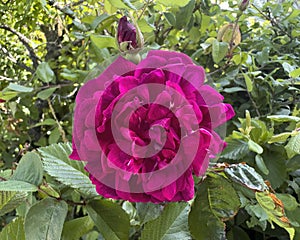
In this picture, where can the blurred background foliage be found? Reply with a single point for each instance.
(50, 48)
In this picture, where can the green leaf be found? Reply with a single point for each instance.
(287, 67)
(57, 164)
(203, 224)
(19, 88)
(103, 41)
(7, 95)
(54, 136)
(19, 186)
(295, 73)
(261, 164)
(45, 73)
(282, 137)
(76, 228)
(125, 4)
(245, 175)
(30, 169)
(275, 160)
(170, 17)
(283, 118)
(147, 211)
(293, 147)
(248, 82)
(14, 230)
(235, 150)
(184, 14)
(10, 201)
(237, 233)
(234, 89)
(172, 3)
(45, 94)
(111, 220)
(79, 25)
(258, 215)
(98, 20)
(254, 147)
(293, 164)
(289, 202)
(171, 225)
(293, 216)
(275, 211)
(223, 200)
(46, 122)
(219, 50)
(144, 26)
(47, 190)
(69, 75)
(45, 219)
(216, 201)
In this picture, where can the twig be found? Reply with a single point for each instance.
(66, 10)
(144, 8)
(3, 179)
(60, 128)
(56, 86)
(14, 60)
(26, 43)
(76, 3)
(227, 64)
(273, 22)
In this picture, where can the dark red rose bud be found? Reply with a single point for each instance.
(126, 35)
(243, 5)
(1, 100)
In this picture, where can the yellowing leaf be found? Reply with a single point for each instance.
(226, 34)
(274, 208)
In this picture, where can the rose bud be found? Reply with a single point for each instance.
(1, 100)
(129, 36)
(243, 5)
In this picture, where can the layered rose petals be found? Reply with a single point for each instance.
(129, 129)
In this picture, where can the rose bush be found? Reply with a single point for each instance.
(171, 116)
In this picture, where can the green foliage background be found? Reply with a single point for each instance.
(50, 48)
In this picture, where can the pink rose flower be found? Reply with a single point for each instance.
(145, 129)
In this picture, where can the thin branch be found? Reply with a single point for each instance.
(60, 128)
(144, 8)
(26, 43)
(66, 10)
(56, 86)
(76, 3)
(14, 60)
(273, 22)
